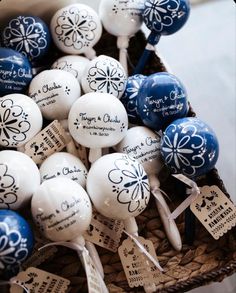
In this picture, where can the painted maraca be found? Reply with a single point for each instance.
(161, 99)
(129, 97)
(16, 189)
(76, 29)
(16, 242)
(15, 72)
(20, 120)
(73, 64)
(54, 91)
(162, 17)
(62, 210)
(104, 74)
(144, 145)
(122, 19)
(97, 121)
(28, 35)
(190, 147)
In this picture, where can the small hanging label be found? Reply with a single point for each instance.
(214, 210)
(37, 281)
(94, 280)
(105, 232)
(139, 270)
(51, 139)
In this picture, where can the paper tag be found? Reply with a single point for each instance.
(214, 210)
(105, 232)
(51, 139)
(37, 281)
(138, 269)
(93, 278)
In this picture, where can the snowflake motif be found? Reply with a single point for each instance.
(146, 110)
(13, 123)
(161, 12)
(123, 127)
(76, 28)
(13, 248)
(67, 90)
(25, 35)
(107, 76)
(77, 123)
(130, 182)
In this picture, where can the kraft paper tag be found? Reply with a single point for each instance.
(214, 210)
(138, 269)
(105, 232)
(37, 281)
(51, 139)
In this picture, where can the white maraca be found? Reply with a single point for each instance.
(104, 74)
(20, 120)
(76, 29)
(97, 121)
(143, 144)
(19, 178)
(54, 91)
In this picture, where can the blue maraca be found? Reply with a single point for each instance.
(16, 242)
(129, 98)
(28, 35)
(162, 17)
(162, 99)
(15, 72)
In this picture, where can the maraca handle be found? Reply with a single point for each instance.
(122, 44)
(95, 257)
(189, 228)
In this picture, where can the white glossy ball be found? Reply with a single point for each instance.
(64, 165)
(118, 186)
(19, 178)
(54, 91)
(61, 209)
(20, 120)
(121, 18)
(73, 64)
(98, 120)
(104, 74)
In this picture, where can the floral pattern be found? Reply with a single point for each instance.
(160, 13)
(130, 182)
(75, 28)
(8, 188)
(24, 34)
(13, 123)
(13, 247)
(107, 76)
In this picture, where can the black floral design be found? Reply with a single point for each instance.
(13, 123)
(75, 28)
(130, 182)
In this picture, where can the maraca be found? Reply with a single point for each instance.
(66, 165)
(129, 97)
(162, 18)
(16, 242)
(54, 91)
(20, 120)
(16, 189)
(28, 35)
(73, 64)
(76, 29)
(161, 99)
(97, 121)
(122, 19)
(144, 145)
(104, 74)
(62, 210)
(190, 147)
(15, 72)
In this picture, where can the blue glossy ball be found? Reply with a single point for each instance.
(190, 147)
(129, 98)
(16, 241)
(165, 17)
(28, 35)
(15, 72)
(162, 99)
